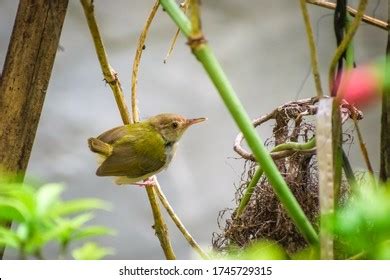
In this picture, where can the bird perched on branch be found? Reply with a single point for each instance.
(138, 151)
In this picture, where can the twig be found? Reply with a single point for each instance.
(313, 49)
(160, 227)
(367, 19)
(173, 42)
(184, 6)
(137, 59)
(159, 224)
(344, 44)
(178, 223)
(363, 147)
(109, 74)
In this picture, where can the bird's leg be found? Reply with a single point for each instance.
(147, 182)
(123, 180)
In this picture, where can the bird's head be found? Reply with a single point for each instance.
(172, 126)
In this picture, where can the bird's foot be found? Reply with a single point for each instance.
(123, 180)
(145, 183)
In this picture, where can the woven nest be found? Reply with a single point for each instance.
(264, 217)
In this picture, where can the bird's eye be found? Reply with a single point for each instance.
(175, 125)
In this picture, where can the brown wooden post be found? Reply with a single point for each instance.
(25, 77)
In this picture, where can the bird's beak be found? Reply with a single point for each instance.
(194, 121)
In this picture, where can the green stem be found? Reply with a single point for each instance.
(296, 146)
(350, 54)
(205, 55)
(345, 42)
(348, 171)
(249, 191)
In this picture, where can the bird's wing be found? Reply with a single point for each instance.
(112, 135)
(133, 157)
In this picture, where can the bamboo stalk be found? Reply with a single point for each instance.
(206, 56)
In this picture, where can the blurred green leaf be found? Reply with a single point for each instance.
(26, 196)
(22, 232)
(40, 216)
(79, 205)
(9, 238)
(11, 209)
(261, 250)
(362, 226)
(68, 227)
(91, 251)
(47, 196)
(92, 231)
(309, 253)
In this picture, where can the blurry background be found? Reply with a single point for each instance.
(263, 49)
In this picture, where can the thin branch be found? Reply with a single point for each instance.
(160, 227)
(344, 44)
(184, 6)
(178, 223)
(109, 74)
(173, 43)
(137, 59)
(363, 147)
(367, 19)
(313, 49)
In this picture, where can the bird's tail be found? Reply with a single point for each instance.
(99, 147)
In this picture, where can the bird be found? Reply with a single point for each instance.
(135, 152)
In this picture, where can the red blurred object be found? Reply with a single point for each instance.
(361, 86)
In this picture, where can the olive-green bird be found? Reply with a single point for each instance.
(137, 151)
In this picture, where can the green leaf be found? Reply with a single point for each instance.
(68, 227)
(11, 209)
(91, 251)
(261, 250)
(92, 231)
(9, 213)
(26, 196)
(79, 205)
(9, 238)
(80, 220)
(23, 232)
(47, 196)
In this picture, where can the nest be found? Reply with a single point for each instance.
(264, 217)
